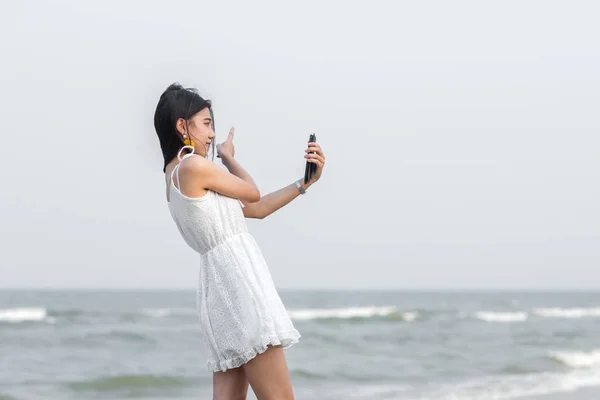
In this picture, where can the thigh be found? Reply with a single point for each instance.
(230, 385)
(268, 375)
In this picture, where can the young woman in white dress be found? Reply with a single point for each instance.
(244, 324)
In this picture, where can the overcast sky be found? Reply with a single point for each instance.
(462, 139)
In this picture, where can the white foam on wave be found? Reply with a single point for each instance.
(492, 316)
(346, 313)
(156, 312)
(410, 316)
(515, 386)
(164, 312)
(304, 314)
(16, 315)
(578, 312)
(577, 359)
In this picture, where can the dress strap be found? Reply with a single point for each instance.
(180, 158)
(173, 173)
(189, 154)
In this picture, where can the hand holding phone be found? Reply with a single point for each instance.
(310, 167)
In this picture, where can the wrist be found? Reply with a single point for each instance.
(302, 187)
(226, 159)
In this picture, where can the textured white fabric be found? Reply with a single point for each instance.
(240, 310)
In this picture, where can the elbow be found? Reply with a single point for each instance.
(254, 197)
(263, 212)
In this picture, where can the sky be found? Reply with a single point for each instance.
(462, 140)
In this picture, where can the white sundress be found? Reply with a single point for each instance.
(240, 310)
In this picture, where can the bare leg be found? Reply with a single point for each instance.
(269, 376)
(230, 385)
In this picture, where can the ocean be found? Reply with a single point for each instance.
(354, 345)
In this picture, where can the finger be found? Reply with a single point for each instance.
(314, 157)
(231, 134)
(315, 161)
(315, 148)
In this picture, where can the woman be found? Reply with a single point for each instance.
(244, 323)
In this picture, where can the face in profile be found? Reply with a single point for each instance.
(199, 129)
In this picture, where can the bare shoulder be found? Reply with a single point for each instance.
(195, 172)
(195, 165)
(195, 161)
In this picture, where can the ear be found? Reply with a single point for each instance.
(180, 125)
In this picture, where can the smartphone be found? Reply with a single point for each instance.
(310, 167)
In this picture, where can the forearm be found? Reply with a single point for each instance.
(236, 169)
(272, 202)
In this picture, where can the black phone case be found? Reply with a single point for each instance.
(310, 167)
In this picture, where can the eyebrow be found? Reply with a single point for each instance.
(208, 119)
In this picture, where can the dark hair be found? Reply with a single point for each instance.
(177, 102)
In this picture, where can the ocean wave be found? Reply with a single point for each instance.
(306, 374)
(577, 359)
(165, 312)
(42, 314)
(73, 312)
(567, 312)
(33, 314)
(410, 316)
(374, 391)
(129, 382)
(515, 369)
(493, 316)
(119, 335)
(515, 387)
(350, 313)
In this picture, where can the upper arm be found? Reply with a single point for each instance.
(211, 177)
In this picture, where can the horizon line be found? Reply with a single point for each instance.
(288, 289)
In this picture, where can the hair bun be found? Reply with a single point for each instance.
(174, 87)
